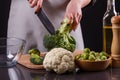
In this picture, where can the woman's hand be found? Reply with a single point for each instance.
(74, 12)
(36, 3)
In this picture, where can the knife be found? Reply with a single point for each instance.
(46, 22)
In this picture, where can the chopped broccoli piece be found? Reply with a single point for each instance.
(34, 51)
(34, 55)
(35, 59)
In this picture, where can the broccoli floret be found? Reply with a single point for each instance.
(35, 59)
(62, 38)
(49, 42)
(34, 51)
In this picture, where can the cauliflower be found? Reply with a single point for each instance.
(59, 60)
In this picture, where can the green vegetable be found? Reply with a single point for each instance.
(91, 58)
(78, 57)
(34, 51)
(103, 57)
(62, 38)
(103, 53)
(92, 55)
(49, 41)
(34, 55)
(86, 50)
(35, 59)
(84, 56)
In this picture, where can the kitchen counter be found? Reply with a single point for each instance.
(20, 72)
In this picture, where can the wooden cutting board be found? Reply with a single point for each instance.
(24, 61)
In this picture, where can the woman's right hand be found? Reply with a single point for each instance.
(36, 3)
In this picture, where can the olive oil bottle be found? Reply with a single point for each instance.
(107, 26)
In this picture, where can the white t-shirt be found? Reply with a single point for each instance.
(24, 23)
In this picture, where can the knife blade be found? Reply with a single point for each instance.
(46, 22)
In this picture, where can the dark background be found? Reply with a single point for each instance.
(4, 13)
(91, 22)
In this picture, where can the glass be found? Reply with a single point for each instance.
(107, 26)
(10, 50)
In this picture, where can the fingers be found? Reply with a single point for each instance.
(38, 6)
(30, 1)
(77, 17)
(33, 3)
(74, 25)
(70, 18)
(36, 3)
(74, 19)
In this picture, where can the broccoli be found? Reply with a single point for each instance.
(35, 57)
(37, 61)
(34, 50)
(49, 41)
(62, 38)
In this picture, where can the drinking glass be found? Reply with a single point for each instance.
(10, 50)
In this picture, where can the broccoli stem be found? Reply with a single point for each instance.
(65, 27)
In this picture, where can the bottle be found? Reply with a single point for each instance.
(107, 26)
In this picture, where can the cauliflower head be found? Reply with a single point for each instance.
(59, 60)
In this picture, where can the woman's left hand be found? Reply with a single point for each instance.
(74, 13)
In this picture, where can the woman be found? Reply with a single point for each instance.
(24, 23)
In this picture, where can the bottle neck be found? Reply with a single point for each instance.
(111, 5)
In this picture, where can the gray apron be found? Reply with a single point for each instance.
(24, 23)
